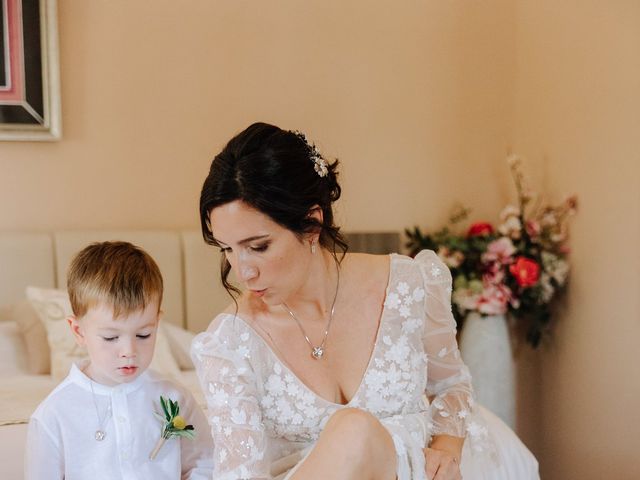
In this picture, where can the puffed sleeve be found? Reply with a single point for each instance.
(221, 357)
(448, 379)
(196, 454)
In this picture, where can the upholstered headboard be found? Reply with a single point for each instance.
(192, 291)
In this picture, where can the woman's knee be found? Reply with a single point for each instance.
(356, 429)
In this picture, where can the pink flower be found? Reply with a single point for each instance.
(525, 271)
(494, 275)
(480, 229)
(494, 300)
(500, 250)
(533, 228)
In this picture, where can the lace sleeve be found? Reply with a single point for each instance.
(228, 382)
(448, 379)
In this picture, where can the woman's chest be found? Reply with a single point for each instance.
(389, 381)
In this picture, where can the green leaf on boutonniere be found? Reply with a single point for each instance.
(174, 425)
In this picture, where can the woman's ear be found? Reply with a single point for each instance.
(76, 329)
(315, 212)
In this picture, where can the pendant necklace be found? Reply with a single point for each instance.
(318, 352)
(100, 433)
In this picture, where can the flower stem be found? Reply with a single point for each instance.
(157, 448)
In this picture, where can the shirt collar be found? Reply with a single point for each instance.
(77, 376)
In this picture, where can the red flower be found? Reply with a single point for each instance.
(479, 229)
(525, 271)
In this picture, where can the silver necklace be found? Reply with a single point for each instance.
(100, 433)
(318, 352)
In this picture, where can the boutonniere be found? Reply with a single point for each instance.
(173, 424)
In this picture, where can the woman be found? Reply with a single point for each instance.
(320, 367)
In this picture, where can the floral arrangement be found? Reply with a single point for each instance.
(173, 424)
(517, 268)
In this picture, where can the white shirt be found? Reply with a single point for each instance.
(61, 436)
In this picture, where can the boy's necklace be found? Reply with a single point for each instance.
(100, 433)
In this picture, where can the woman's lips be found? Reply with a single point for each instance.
(259, 293)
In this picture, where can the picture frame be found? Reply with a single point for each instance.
(29, 71)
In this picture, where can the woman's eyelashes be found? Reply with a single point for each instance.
(260, 248)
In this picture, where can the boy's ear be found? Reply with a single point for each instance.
(76, 329)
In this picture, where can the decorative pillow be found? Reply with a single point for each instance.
(53, 308)
(180, 343)
(12, 350)
(34, 336)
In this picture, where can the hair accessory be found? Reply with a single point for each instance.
(319, 163)
(318, 352)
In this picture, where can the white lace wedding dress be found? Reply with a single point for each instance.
(264, 420)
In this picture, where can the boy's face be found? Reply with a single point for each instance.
(119, 349)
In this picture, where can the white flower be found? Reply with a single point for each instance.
(509, 211)
(476, 430)
(403, 288)
(275, 385)
(393, 301)
(405, 311)
(511, 227)
(222, 455)
(267, 401)
(239, 417)
(410, 326)
(218, 396)
(243, 351)
(418, 294)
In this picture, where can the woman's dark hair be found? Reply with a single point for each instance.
(273, 171)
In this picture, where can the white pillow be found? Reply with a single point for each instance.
(53, 307)
(13, 353)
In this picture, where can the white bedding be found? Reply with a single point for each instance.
(20, 395)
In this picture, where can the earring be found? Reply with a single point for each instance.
(313, 246)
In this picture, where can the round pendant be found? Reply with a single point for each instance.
(317, 352)
(99, 436)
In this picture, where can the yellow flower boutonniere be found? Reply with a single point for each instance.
(173, 424)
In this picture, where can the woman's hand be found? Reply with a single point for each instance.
(441, 465)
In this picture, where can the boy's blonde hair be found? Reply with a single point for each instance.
(117, 274)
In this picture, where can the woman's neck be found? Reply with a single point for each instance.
(317, 295)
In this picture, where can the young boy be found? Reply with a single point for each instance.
(100, 422)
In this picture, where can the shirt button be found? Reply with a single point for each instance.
(121, 419)
(125, 455)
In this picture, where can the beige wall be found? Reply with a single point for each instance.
(151, 90)
(578, 120)
(427, 94)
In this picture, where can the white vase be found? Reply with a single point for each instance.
(486, 349)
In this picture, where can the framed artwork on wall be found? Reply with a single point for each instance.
(29, 71)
